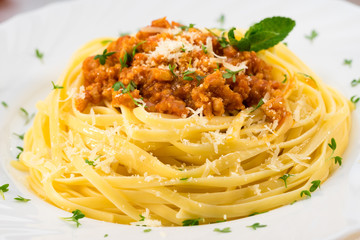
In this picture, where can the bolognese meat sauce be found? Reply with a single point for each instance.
(171, 68)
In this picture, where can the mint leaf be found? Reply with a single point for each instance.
(263, 35)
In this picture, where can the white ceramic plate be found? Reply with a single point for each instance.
(59, 29)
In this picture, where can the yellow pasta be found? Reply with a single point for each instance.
(170, 169)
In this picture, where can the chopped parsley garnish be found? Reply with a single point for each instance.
(21, 150)
(224, 230)
(186, 28)
(184, 179)
(222, 40)
(182, 49)
(102, 57)
(204, 48)
(348, 62)
(39, 54)
(312, 35)
(191, 222)
(315, 185)
(147, 230)
(257, 213)
(355, 82)
(56, 86)
(92, 163)
(263, 35)
(3, 189)
(231, 74)
(221, 20)
(354, 99)
(186, 77)
(134, 49)
(256, 225)
(285, 79)
(332, 145)
(124, 34)
(130, 87)
(21, 199)
(104, 42)
(338, 160)
(4, 104)
(77, 214)
(285, 177)
(142, 218)
(172, 68)
(260, 103)
(305, 192)
(20, 136)
(106, 235)
(123, 61)
(27, 115)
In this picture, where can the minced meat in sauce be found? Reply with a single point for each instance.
(171, 68)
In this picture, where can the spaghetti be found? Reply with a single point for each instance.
(131, 163)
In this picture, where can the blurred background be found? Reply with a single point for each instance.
(9, 8)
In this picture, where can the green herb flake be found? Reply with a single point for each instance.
(312, 35)
(338, 160)
(39, 54)
(21, 199)
(256, 225)
(285, 79)
(260, 103)
(142, 218)
(3, 189)
(224, 230)
(354, 99)
(56, 86)
(223, 41)
(106, 235)
(104, 42)
(21, 136)
(231, 74)
(182, 49)
(124, 60)
(186, 28)
(332, 146)
(204, 48)
(102, 57)
(135, 48)
(4, 104)
(257, 213)
(263, 35)
(315, 185)
(221, 20)
(172, 68)
(147, 230)
(91, 163)
(21, 150)
(347, 62)
(285, 177)
(118, 85)
(184, 179)
(124, 34)
(191, 222)
(355, 82)
(77, 214)
(186, 75)
(305, 192)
